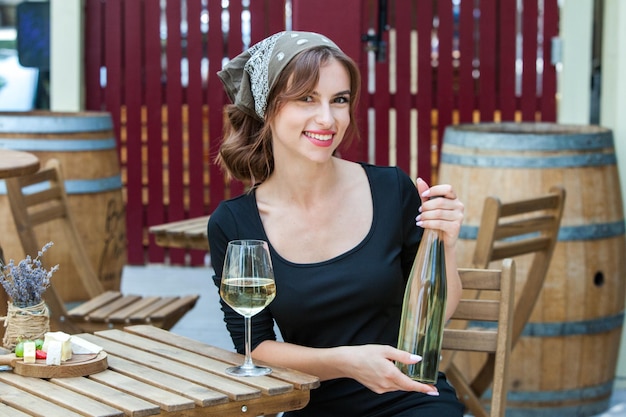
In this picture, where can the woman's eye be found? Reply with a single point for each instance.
(307, 99)
(342, 100)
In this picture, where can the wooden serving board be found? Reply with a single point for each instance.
(79, 365)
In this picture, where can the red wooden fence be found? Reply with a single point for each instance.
(152, 65)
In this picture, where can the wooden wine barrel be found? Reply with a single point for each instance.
(85, 144)
(564, 364)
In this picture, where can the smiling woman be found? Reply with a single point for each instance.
(342, 235)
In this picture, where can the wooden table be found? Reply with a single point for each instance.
(17, 163)
(155, 372)
(186, 234)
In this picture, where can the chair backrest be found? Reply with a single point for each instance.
(40, 198)
(495, 340)
(512, 229)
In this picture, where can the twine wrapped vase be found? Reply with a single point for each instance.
(28, 323)
(27, 316)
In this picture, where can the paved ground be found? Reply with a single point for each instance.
(205, 322)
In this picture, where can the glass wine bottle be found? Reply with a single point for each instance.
(423, 309)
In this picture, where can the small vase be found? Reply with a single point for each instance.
(31, 323)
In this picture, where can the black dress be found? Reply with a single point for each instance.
(352, 299)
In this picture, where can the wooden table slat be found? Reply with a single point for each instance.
(201, 395)
(263, 406)
(267, 385)
(235, 390)
(34, 405)
(89, 388)
(6, 411)
(165, 399)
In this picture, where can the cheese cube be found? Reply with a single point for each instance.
(29, 352)
(61, 337)
(54, 352)
(81, 346)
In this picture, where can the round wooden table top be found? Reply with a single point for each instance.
(17, 163)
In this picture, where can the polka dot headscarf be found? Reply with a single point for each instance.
(249, 77)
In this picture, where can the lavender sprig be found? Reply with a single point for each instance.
(26, 282)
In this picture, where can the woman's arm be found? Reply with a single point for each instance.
(371, 365)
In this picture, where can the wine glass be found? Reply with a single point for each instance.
(248, 287)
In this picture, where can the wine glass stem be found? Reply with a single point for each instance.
(248, 336)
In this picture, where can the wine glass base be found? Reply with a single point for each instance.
(248, 371)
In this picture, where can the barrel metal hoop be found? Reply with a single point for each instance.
(568, 328)
(33, 123)
(543, 162)
(58, 145)
(601, 392)
(78, 186)
(528, 141)
(566, 233)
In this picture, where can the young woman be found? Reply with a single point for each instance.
(342, 235)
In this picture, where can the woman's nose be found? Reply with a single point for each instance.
(324, 115)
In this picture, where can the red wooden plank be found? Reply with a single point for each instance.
(424, 89)
(548, 94)
(94, 10)
(381, 104)
(529, 65)
(275, 16)
(235, 35)
(113, 62)
(215, 99)
(445, 93)
(268, 17)
(132, 99)
(235, 46)
(487, 93)
(258, 21)
(195, 104)
(174, 100)
(403, 95)
(506, 50)
(359, 148)
(153, 102)
(314, 16)
(467, 94)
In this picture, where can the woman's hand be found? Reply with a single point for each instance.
(374, 367)
(445, 214)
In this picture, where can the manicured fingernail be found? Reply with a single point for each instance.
(415, 358)
(418, 218)
(426, 193)
(420, 223)
(432, 393)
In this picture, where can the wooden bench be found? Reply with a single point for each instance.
(185, 234)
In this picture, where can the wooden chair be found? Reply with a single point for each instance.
(106, 309)
(496, 341)
(509, 230)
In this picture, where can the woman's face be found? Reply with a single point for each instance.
(313, 126)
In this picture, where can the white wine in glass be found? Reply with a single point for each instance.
(248, 286)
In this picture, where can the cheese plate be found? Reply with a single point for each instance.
(78, 365)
